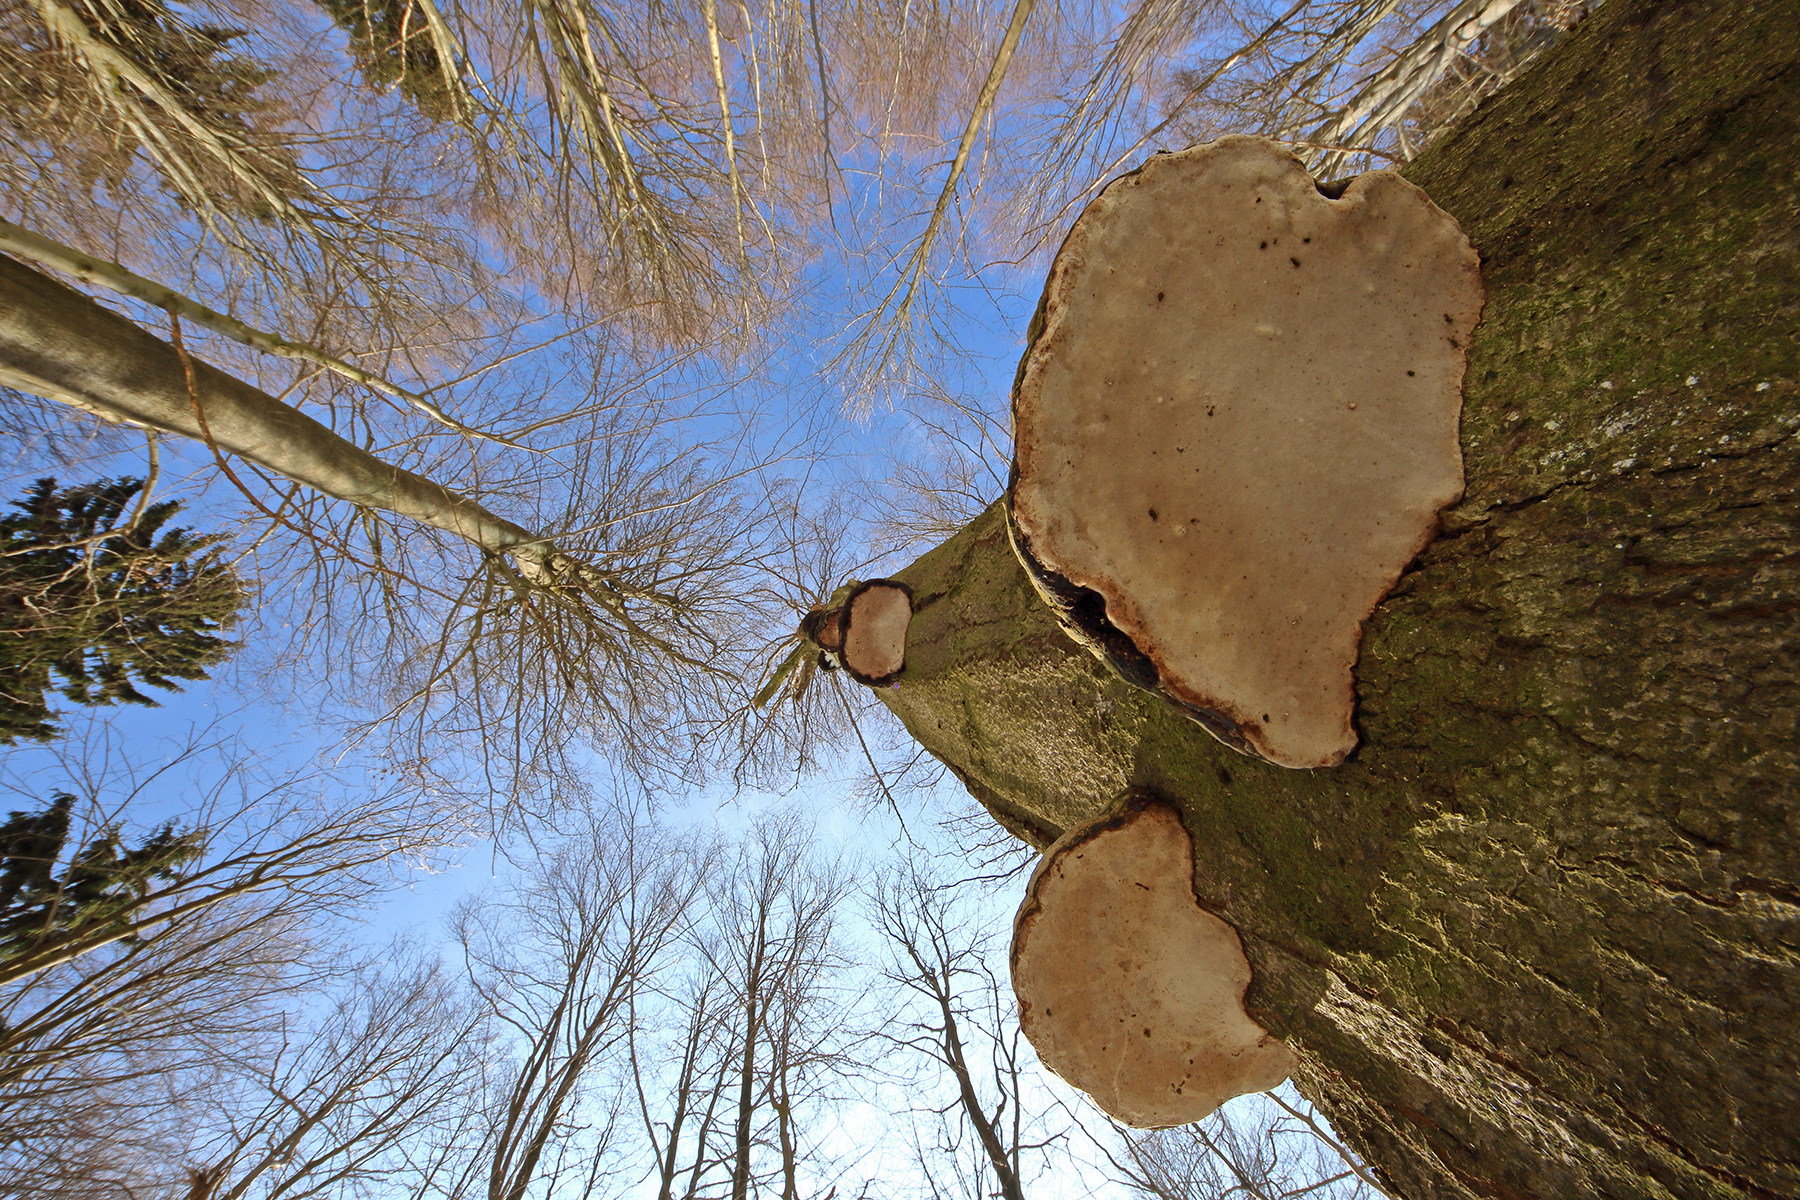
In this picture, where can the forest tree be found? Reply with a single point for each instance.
(1538, 936)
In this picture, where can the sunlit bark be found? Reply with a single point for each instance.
(59, 344)
(1536, 936)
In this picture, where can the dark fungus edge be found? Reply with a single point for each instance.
(1081, 612)
(1123, 808)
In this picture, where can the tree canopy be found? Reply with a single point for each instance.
(44, 902)
(99, 594)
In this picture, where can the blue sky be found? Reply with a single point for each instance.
(282, 717)
(278, 720)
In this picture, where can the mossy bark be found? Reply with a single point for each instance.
(1540, 936)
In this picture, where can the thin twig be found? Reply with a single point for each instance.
(1350, 1160)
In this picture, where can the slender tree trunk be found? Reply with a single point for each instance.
(684, 1096)
(57, 343)
(702, 1143)
(1540, 936)
(790, 1162)
(992, 1144)
(755, 1004)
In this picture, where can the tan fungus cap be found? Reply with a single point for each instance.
(1238, 425)
(1127, 988)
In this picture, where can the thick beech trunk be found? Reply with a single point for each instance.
(1540, 936)
(57, 343)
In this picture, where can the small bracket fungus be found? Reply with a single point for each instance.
(1127, 988)
(876, 617)
(1236, 424)
(866, 633)
(861, 628)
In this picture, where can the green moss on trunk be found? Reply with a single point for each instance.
(1541, 935)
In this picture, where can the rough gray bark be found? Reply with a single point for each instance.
(1540, 936)
(57, 343)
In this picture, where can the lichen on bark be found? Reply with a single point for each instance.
(1540, 936)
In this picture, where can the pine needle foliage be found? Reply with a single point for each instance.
(103, 601)
(103, 883)
(391, 42)
(139, 79)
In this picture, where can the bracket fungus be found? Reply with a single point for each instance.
(829, 631)
(876, 617)
(866, 633)
(1235, 426)
(1129, 989)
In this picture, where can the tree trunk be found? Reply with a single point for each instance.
(755, 1005)
(57, 343)
(1540, 936)
(992, 1145)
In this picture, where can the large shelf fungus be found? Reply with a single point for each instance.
(1236, 424)
(1129, 989)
